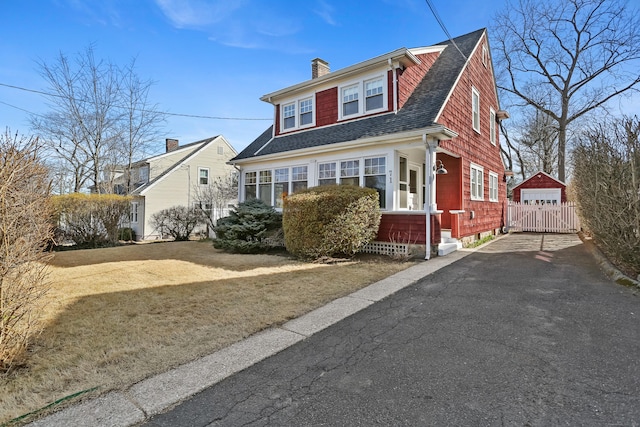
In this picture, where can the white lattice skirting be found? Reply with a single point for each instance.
(387, 248)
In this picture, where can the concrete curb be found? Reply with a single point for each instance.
(606, 266)
(160, 392)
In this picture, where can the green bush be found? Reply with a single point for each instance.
(91, 220)
(251, 227)
(126, 233)
(330, 220)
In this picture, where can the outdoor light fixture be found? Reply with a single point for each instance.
(439, 168)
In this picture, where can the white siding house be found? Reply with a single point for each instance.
(174, 177)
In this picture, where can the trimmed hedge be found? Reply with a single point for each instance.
(330, 220)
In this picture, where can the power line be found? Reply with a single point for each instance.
(196, 116)
(444, 28)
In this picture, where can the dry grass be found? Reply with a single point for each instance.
(119, 315)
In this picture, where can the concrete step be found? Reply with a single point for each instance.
(447, 248)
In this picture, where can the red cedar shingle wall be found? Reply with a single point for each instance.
(476, 147)
(541, 181)
(407, 228)
(412, 76)
(327, 107)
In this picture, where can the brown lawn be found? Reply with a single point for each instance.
(118, 315)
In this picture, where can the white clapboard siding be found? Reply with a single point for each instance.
(547, 218)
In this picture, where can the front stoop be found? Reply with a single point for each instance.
(448, 244)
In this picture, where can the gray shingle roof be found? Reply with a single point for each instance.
(419, 111)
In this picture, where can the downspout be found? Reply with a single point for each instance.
(395, 86)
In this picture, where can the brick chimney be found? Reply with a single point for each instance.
(172, 144)
(319, 68)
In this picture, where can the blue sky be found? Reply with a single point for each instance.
(213, 57)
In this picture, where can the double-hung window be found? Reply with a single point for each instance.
(475, 108)
(250, 181)
(493, 187)
(375, 177)
(203, 176)
(264, 187)
(326, 173)
(477, 182)
(298, 178)
(289, 116)
(373, 94)
(134, 212)
(281, 185)
(492, 125)
(350, 172)
(306, 112)
(350, 100)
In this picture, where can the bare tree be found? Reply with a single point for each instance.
(538, 144)
(215, 198)
(141, 123)
(25, 230)
(100, 118)
(577, 54)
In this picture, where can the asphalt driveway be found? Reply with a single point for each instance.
(525, 331)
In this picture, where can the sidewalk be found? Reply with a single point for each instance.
(158, 393)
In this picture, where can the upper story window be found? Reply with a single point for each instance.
(364, 97)
(373, 94)
(492, 125)
(475, 108)
(303, 118)
(203, 176)
(289, 116)
(143, 174)
(350, 102)
(306, 112)
(485, 55)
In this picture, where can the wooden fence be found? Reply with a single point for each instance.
(547, 218)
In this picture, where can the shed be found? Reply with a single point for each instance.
(540, 189)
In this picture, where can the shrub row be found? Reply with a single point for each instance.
(90, 220)
(320, 221)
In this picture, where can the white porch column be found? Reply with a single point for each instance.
(431, 144)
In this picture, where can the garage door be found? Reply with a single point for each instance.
(540, 196)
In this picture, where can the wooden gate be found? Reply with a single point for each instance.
(547, 218)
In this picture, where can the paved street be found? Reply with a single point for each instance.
(525, 331)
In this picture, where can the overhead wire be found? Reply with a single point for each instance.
(444, 27)
(165, 113)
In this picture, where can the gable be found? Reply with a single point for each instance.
(418, 112)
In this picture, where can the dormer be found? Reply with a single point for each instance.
(372, 87)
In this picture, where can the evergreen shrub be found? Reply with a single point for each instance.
(251, 227)
(330, 220)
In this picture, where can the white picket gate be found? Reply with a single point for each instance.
(547, 218)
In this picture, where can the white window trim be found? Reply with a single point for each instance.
(296, 116)
(479, 169)
(361, 85)
(134, 212)
(290, 180)
(475, 114)
(208, 176)
(493, 177)
(492, 125)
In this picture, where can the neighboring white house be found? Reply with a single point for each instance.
(174, 178)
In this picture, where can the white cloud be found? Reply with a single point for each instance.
(326, 12)
(198, 13)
